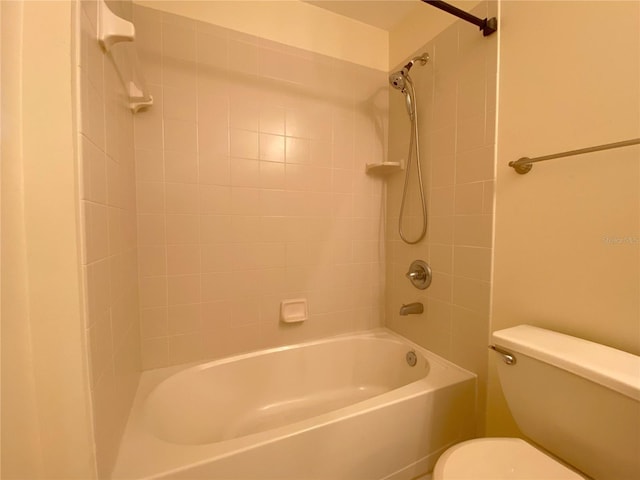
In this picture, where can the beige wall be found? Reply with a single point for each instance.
(70, 313)
(252, 190)
(567, 253)
(456, 111)
(423, 23)
(107, 201)
(21, 453)
(305, 26)
(46, 419)
(294, 23)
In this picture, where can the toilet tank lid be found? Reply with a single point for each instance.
(615, 369)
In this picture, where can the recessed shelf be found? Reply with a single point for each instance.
(384, 168)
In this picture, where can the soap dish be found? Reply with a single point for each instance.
(294, 310)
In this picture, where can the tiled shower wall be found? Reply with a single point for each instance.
(456, 106)
(251, 190)
(108, 207)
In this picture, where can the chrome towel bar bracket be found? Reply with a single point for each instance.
(508, 357)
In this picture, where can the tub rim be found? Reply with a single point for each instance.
(382, 333)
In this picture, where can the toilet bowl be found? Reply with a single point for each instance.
(499, 459)
(577, 399)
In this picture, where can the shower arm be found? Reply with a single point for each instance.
(487, 25)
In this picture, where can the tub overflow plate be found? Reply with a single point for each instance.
(412, 358)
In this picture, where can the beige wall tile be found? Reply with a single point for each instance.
(153, 292)
(149, 165)
(115, 191)
(471, 294)
(179, 104)
(442, 201)
(245, 173)
(183, 259)
(183, 289)
(470, 133)
(97, 231)
(217, 140)
(151, 230)
(475, 165)
(254, 181)
(183, 319)
(181, 198)
(94, 172)
(155, 352)
(441, 287)
(443, 171)
(217, 257)
(180, 167)
(153, 322)
(215, 200)
(217, 286)
(185, 348)
(473, 230)
(272, 119)
(148, 131)
(441, 258)
(469, 198)
(152, 260)
(180, 135)
(472, 262)
(272, 175)
(151, 197)
(272, 147)
(214, 169)
(243, 143)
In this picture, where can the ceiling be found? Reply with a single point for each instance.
(384, 14)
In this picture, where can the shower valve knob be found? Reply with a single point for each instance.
(419, 274)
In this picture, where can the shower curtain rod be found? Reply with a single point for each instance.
(487, 25)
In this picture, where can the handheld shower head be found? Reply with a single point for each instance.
(401, 80)
(397, 80)
(408, 102)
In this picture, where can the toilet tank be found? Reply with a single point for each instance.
(577, 399)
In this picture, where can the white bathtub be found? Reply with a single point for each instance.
(347, 407)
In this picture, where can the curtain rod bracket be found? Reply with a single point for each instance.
(490, 26)
(487, 25)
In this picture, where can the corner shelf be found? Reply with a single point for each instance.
(113, 30)
(384, 168)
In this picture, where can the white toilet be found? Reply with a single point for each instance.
(577, 400)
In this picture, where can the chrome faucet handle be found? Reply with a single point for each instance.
(419, 274)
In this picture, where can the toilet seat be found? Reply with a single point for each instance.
(499, 459)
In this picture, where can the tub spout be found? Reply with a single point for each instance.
(411, 308)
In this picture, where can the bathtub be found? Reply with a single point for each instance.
(348, 407)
